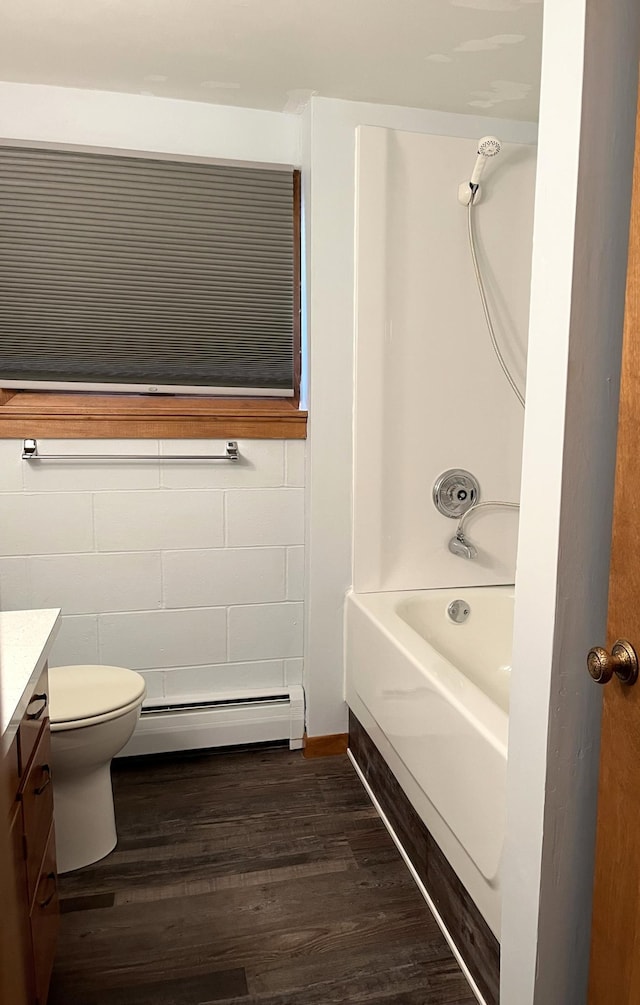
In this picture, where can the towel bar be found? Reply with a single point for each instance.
(30, 453)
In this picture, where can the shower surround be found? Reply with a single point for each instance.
(430, 394)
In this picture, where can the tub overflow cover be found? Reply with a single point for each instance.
(458, 611)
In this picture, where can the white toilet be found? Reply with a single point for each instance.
(93, 711)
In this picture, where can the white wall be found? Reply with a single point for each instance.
(430, 394)
(589, 80)
(36, 113)
(328, 160)
(322, 140)
(191, 572)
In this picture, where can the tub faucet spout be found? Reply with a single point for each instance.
(460, 545)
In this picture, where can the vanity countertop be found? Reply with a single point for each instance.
(26, 638)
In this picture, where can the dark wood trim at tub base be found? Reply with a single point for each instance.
(326, 746)
(476, 942)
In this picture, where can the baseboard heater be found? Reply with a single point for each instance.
(222, 721)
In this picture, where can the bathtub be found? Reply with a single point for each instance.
(434, 697)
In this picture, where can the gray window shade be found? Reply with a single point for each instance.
(131, 271)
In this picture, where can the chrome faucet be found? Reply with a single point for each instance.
(460, 545)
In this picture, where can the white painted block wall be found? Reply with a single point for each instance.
(191, 572)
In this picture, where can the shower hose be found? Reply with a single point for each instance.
(485, 308)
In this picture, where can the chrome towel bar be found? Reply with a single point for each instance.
(30, 453)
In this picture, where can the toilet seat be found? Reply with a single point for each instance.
(86, 695)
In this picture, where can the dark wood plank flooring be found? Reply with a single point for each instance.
(248, 878)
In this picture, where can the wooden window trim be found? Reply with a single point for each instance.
(123, 416)
(77, 415)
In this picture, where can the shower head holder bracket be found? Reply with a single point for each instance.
(468, 193)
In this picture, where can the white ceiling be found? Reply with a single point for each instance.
(476, 56)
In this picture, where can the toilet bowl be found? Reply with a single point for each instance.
(93, 712)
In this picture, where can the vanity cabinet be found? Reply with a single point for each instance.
(28, 772)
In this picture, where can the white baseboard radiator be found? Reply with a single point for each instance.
(222, 721)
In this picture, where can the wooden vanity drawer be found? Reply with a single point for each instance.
(23, 989)
(35, 716)
(10, 777)
(44, 920)
(36, 796)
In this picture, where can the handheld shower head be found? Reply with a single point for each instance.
(488, 146)
(469, 191)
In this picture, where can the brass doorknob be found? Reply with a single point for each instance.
(622, 661)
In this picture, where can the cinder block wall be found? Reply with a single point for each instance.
(191, 572)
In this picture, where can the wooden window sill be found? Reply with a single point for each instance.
(120, 416)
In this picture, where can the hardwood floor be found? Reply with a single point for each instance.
(249, 878)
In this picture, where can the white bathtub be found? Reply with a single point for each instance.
(433, 695)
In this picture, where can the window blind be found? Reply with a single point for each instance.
(134, 273)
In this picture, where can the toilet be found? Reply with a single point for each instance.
(93, 712)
